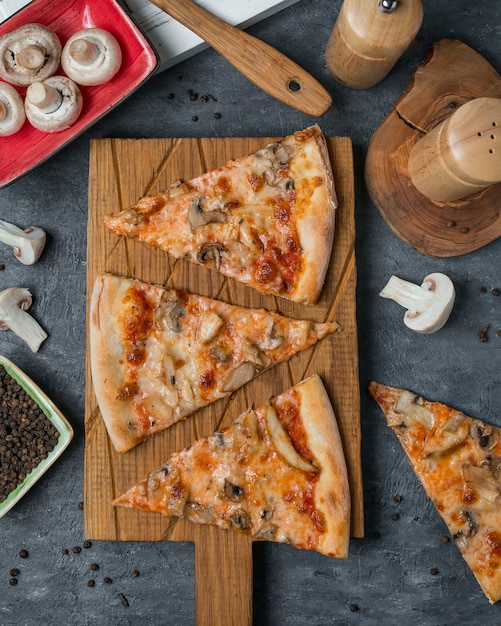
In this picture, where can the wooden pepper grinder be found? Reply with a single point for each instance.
(460, 156)
(369, 37)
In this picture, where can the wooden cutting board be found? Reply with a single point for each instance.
(122, 170)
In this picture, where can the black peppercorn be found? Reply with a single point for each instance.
(135, 574)
(123, 599)
(64, 551)
(107, 580)
(353, 608)
(87, 544)
(14, 572)
(13, 581)
(91, 583)
(444, 539)
(23, 553)
(433, 571)
(395, 517)
(94, 567)
(76, 549)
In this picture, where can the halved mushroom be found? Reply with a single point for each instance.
(242, 374)
(91, 56)
(12, 115)
(209, 326)
(30, 53)
(27, 244)
(410, 405)
(14, 303)
(429, 305)
(211, 252)
(283, 444)
(169, 314)
(197, 217)
(53, 105)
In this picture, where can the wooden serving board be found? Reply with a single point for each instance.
(121, 171)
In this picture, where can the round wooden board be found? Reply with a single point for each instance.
(452, 74)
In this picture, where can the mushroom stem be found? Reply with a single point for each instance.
(31, 57)
(3, 111)
(405, 293)
(13, 304)
(84, 52)
(46, 98)
(27, 244)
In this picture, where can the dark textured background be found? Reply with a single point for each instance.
(387, 578)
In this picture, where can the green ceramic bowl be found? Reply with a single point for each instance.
(54, 415)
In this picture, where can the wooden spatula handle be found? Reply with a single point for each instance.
(262, 64)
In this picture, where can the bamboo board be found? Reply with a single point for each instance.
(121, 171)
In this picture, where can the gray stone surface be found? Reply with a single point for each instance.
(387, 578)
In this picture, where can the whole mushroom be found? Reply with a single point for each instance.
(30, 53)
(428, 306)
(13, 305)
(12, 115)
(91, 56)
(27, 244)
(54, 104)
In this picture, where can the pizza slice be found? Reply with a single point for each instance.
(157, 355)
(457, 459)
(277, 472)
(266, 220)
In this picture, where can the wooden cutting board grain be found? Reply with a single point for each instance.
(121, 171)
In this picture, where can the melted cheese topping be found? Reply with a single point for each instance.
(182, 351)
(238, 479)
(457, 459)
(241, 218)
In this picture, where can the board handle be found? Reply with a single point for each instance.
(266, 67)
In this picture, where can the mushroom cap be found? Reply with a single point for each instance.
(65, 115)
(437, 309)
(91, 56)
(30, 53)
(11, 104)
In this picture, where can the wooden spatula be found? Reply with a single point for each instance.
(263, 65)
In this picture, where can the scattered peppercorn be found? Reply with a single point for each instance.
(376, 535)
(398, 498)
(91, 583)
(23, 553)
(87, 544)
(499, 333)
(451, 224)
(465, 229)
(217, 116)
(395, 517)
(14, 572)
(170, 96)
(135, 574)
(107, 580)
(195, 118)
(204, 98)
(433, 571)
(123, 599)
(26, 434)
(2, 267)
(179, 78)
(483, 289)
(482, 334)
(353, 608)
(444, 539)
(76, 549)
(94, 567)
(495, 291)
(64, 551)
(192, 95)
(13, 581)
(81, 505)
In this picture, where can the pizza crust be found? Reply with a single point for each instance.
(332, 492)
(107, 365)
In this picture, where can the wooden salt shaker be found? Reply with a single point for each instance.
(460, 156)
(369, 37)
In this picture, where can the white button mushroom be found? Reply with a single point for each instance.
(12, 115)
(27, 244)
(428, 306)
(91, 56)
(54, 104)
(29, 53)
(13, 305)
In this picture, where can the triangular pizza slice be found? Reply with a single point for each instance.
(266, 220)
(277, 472)
(157, 355)
(457, 459)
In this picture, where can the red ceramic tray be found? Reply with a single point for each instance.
(21, 152)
